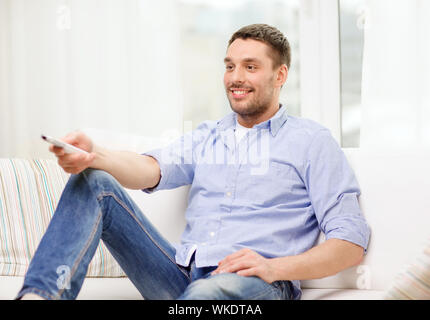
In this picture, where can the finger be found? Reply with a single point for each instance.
(246, 264)
(236, 265)
(249, 272)
(56, 150)
(71, 138)
(233, 256)
(73, 170)
(77, 167)
(71, 160)
(239, 253)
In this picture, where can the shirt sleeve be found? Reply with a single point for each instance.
(334, 191)
(177, 160)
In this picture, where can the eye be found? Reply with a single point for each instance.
(229, 67)
(251, 67)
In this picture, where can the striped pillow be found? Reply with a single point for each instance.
(29, 193)
(414, 283)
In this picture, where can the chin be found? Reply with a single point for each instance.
(239, 108)
(245, 110)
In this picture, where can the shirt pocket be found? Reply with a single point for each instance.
(269, 184)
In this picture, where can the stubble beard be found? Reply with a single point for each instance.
(253, 108)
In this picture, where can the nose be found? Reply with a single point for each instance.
(238, 75)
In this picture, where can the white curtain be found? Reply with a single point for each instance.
(396, 74)
(73, 64)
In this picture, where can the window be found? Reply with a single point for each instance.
(351, 14)
(205, 28)
(331, 42)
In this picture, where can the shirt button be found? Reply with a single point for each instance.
(212, 234)
(203, 243)
(228, 194)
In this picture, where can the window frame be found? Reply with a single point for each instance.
(320, 81)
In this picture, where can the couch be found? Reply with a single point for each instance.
(395, 186)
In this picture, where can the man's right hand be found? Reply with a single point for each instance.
(75, 162)
(132, 170)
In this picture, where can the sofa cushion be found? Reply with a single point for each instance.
(342, 294)
(93, 288)
(414, 282)
(394, 185)
(123, 289)
(29, 193)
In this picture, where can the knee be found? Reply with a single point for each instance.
(99, 178)
(95, 180)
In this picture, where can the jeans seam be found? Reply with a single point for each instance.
(111, 194)
(37, 291)
(83, 251)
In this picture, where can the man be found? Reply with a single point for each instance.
(263, 185)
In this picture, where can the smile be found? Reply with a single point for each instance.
(239, 93)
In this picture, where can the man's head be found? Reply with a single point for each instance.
(279, 51)
(257, 61)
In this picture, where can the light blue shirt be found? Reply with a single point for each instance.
(273, 192)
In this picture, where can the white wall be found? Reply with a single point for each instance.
(67, 65)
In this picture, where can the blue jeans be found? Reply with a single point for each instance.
(94, 206)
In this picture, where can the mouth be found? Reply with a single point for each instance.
(240, 93)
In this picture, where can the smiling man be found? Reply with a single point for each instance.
(250, 234)
(254, 75)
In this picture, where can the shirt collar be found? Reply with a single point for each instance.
(274, 124)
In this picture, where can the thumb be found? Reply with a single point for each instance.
(71, 138)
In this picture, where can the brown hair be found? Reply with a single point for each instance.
(281, 53)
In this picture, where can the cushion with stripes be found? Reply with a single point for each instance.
(29, 192)
(414, 282)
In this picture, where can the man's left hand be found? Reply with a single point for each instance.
(247, 262)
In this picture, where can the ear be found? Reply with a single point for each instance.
(282, 75)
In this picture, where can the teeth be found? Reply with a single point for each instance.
(239, 92)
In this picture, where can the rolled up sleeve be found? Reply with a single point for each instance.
(175, 170)
(334, 191)
(177, 160)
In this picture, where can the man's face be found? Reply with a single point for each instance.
(249, 78)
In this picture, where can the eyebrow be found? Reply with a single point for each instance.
(227, 59)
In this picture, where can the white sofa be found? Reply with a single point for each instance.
(395, 186)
